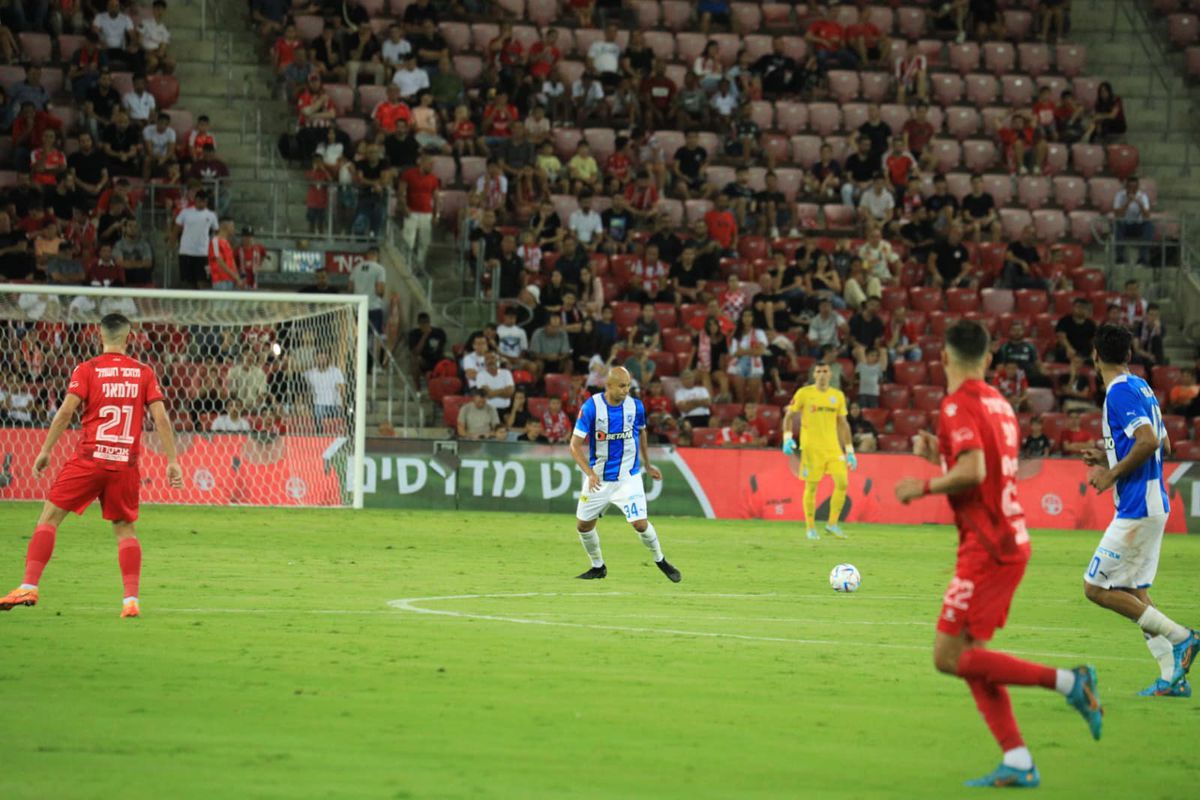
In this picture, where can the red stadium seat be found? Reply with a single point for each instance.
(997, 301)
(1083, 223)
(978, 155)
(960, 301)
(706, 437)
(1102, 192)
(981, 89)
(1088, 159)
(1035, 57)
(777, 16)
(1050, 224)
(1033, 191)
(878, 417)
(1017, 90)
(439, 388)
(1177, 427)
(36, 47)
(678, 342)
(1018, 23)
(164, 88)
(999, 57)
(1122, 160)
(947, 89)
(665, 364)
(962, 122)
(1013, 221)
(909, 421)
(910, 373)
(843, 85)
(926, 299)
(666, 315)
(1164, 378)
(928, 398)
(625, 315)
(1069, 192)
(963, 57)
(910, 22)
(838, 216)
(723, 413)
(1186, 450)
(450, 406)
(876, 86)
(947, 152)
(824, 118)
(894, 443)
(1031, 301)
(1183, 29)
(1070, 58)
(893, 396)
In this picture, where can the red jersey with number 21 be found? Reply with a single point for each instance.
(991, 523)
(115, 390)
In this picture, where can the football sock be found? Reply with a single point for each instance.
(996, 707)
(1154, 621)
(1064, 681)
(1163, 653)
(1018, 758)
(810, 503)
(838, 500)
(129, 556)
(591, 543)
(649, 538)
(41, 547)
(1004, 670)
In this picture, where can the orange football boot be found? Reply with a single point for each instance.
(130, 609)
(19, 597)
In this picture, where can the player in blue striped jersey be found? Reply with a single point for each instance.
(1123, 568)
(609, 445)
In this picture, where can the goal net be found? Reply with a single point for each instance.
(266, 391)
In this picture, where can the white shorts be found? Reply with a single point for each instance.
(1127, 557)
(627, 494)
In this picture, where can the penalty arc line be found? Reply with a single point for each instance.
(409, 604)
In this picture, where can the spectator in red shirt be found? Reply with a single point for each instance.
(498, 117)
(618, 167)
(827, 40)
(722, 225)
(739, 434)
(762, 426)
(1074, 439)
(419, 199)
(222, 265)
(918, 132)
(555, 422)
(104, 270)
(250, 256)
(316, 113)
(284, 50)
(1045, 120)
(47, 164)
(1010, 381)
(1024, 152)
(316, 199)
(657, 92)
(643, 196)
(390, 110)
(28, 130)
(868, 42)
(900, 166)
(544, 55)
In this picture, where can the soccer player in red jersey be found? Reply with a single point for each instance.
(977, 444)
(114, 391)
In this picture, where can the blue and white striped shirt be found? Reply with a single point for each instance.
(1129, 403)
(613, 435)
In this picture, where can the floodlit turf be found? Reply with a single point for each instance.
(268, 663)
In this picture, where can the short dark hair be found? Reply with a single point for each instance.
(1113, 343)
(1082, 301)
(114, 324)
(968, 340)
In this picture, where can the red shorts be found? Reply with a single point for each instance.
(80, 482)
(979, 597)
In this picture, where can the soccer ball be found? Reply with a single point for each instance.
(845, 578)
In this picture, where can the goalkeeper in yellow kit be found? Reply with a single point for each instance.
(826, 447)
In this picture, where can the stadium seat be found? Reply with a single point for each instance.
(981, 89)
(625, 315)
(1033, 191)
(997, 301)
(910, 373)
(1050, 224)
(1186, 450)
(1017, 90)
(1070, 58)
(928, 398)
(1164, 378)
(1083, 223)
(922, 298)
(450, 406)
(1177, 427)
(1183, 29)
(1031, 301)
(978, 155)
(947, 152)
(893, 396)
(960, 301)
(875, 86)
(843, 85)
(838, 216)
(1013, 221)
(1040, 400)
(665, 364)
(894, 443)
(909, 421)
(947, 89)
(1035, 58)
(1069, 192)
(824, 118)
(678, 342)
(999, 57)
(1122, 160)
(1102, 192)
(36, 47)
(910, 22)
(1087, 159)
(878, 417)
(963, 57)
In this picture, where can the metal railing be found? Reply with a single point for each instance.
(397, 382)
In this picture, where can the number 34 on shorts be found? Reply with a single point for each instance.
(627, 494)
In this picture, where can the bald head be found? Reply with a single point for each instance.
(617, 385)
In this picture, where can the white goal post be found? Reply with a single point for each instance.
(267, 391)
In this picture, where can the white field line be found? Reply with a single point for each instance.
(410, 605)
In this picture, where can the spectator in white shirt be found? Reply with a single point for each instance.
(328, 385)
(160, 146)
(118, 36)
(877, 206)
(1131, 209)
(725, 101)
(410, 78)
(878, 256)
(474, 361)
(395, 49)
(586, 224)
(496, 382)
(154, 38)
(692, 400)
(139, 103)
(605, 56)
(232, 420)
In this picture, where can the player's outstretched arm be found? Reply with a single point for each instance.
(62, 421)
(166, 437)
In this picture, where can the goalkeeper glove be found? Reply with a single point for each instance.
(789, 445)
(851, 460)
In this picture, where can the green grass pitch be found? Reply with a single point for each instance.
(269, 664)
